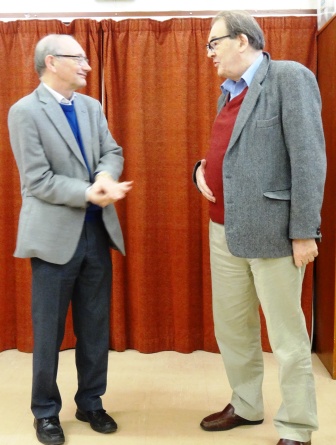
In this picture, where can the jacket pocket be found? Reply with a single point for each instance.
(282, 195)
(268, 122)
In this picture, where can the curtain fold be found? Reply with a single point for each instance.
(160, 95)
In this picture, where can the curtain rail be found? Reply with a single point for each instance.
(147, 14)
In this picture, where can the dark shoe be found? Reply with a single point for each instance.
(49, 431)
(98, 420)
(292, 442)
(226, 420)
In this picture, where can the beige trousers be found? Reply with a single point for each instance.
(239, 285)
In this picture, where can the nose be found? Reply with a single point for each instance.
(86, 66)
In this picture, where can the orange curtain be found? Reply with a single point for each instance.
(161, 97)
(160, 94)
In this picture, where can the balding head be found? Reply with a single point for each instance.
(51, 44)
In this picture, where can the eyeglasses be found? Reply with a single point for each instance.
(79, 59)
(211, 46)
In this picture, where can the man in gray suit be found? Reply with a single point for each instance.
(69, 166)
(264, 177)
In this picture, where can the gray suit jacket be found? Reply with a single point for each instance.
(54, 176)
(275, 165)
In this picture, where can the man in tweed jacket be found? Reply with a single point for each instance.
(264, 177)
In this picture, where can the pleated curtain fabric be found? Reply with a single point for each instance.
(159, 92)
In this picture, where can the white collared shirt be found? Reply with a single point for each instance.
(60, 99)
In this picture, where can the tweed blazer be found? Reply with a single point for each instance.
(275, 165)
(54, 176)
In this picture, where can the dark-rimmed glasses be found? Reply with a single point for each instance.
(211, 46)
(79, 59)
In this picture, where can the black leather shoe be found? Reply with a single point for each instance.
(98, 420)
(49, 431)
(226, 420)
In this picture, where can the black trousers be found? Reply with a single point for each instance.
(85, 281)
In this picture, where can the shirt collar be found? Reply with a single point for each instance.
(230, 86)
(60, 99)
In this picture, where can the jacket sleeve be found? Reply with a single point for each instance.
(37, 175)
(304, 138)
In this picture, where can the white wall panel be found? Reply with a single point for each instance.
(21, 6)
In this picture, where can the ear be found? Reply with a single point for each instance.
(243, 42)
(50, 62)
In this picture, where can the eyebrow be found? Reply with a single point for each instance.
(215, 36)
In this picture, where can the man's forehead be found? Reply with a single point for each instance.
(71, 45)
(218, 29)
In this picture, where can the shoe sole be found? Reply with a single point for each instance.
(50, 442)
(250, 422)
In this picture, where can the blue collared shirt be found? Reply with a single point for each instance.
(235, 88)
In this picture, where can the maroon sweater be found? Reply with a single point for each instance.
(220, 138)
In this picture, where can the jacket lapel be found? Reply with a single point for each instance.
(250, 100)
(57, 117)
(85, 128)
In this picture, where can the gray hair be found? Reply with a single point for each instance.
(241, 22)
(50, 44)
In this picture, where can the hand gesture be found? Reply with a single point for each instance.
(201, 184)
(105, 190)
